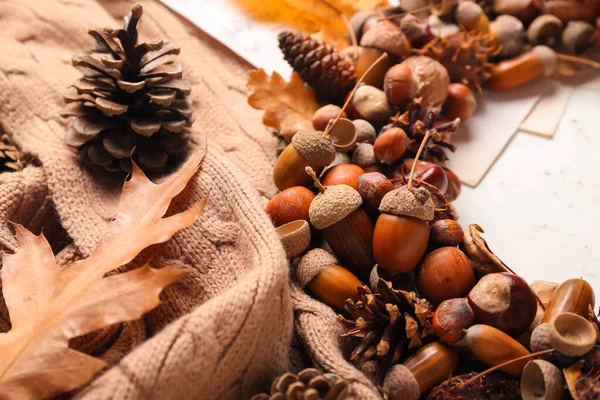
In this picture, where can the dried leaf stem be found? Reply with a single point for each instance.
(419, 152)
(318, 184)
(578, 60)
(352, 35)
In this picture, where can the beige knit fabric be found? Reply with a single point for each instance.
(224, 331)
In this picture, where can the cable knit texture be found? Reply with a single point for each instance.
(224, 330)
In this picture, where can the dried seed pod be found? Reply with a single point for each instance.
(290, 205)
(319, 271)
(504, 301)
(470, 15)
(308, 149)
(420, 372)
(494, 347)
(451, 319)
(446, 232)
(365, 132)
(573, 296)
(431, 78)
(577, 37)
(325, 114)
(343, 135)
(545, 29)
(461, 102)
(541, 381)
(364, 157)
(346, 226)
(484, 261)
(399, 84)
(572, 335)
(343, 174)
(509, 74)
(402, 229)
(295, 237)
(390, 145)
(371, 104)
(510, 33)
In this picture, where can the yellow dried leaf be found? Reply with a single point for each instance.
(287, 105)
(48, 305)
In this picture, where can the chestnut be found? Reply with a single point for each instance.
(454, 185)
(390, 145)
(346, 174)
(446, 232)
(504, 301)
(451, 319)
(444, 274)
(325, 114)
(290, 205)
(372, 186)
(425, 171)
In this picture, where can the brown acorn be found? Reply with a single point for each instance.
(402, 230)
(347, 228)
(308, 149)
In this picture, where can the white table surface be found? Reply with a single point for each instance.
(539, 203)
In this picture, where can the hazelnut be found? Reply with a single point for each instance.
(445, 273)
(432, 79)
(290, 205)
(371, 104)
(390, 145)
(504, 301)
(295, 237)
(365, 132)
(372, 186)
(325, 114)
(346, 174)
(470, 15)
(364, 157)
(545, 29)
(541, 380)
(454, 185)
(461, 102)
(451, 319)
(399, 85)
(509, 33)
(446, 232)
(577, 37)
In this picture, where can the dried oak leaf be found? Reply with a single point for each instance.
(490, 386)
(288, 105)
(48, 304)
(477, 250)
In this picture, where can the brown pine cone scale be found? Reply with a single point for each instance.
(308, 384)
(328, 72)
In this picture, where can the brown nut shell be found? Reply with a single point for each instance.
(343, 135)
(333, 205)
(290, 205)
(446, 232)
(400, 384)
(346, 174)
(541, 380)
(387, 37)
(390, 145)
(334, 285)
(295, 237)
(365, 132)
(399, 84)
(325, 114)
(461, 102)
(371, 104)
(572, 335)
(432, 78)
(364, 156)
(372, 186)
(451, 318)
(573, 295)
(431, 364)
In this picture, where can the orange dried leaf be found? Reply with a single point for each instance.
(48, 305)
(287, 105)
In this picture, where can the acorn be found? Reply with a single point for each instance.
(572, 335)
(290, 205)
(325, 114)
(573, 296)
(545, 29)
(504, 301)
(494, 347)
(429, 366)
(390, 145)
(384, 37)
(370, 103)
(308, 149)
(541, 380)
(540, 341)
(446, 232)
(451, 319)
(346, 174)
(295, 237)
(399, 84)
(365, 132)
(470, 15)
(461, 102)
(402, 229)
(364, 157)
(319, 271)
(510, 34)
(514, 72)
(346, 226)
(432, 80)
(577, 37)
(445, 273)
(372, 186)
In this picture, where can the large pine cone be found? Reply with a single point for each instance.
(131, 96)
(329, 73)
(388, 323)
(309, 384)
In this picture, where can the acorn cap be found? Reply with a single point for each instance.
(312, 264)
(548, 57)
(572, 335)
(432, 78)
(387, 37)
(400, 384)
(414, 202)
(364, 156)
(333, 205)
(343, 135)
(541, 380)
(313, 146)
(295, 237)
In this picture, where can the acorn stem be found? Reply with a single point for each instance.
(578, 60)
(496, 367)
(352, 34)
(414, 166)
(418, 10)
(312, 174)
(351, 95)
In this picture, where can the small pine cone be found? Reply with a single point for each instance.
(11, 158)
(329, 73)
(308, 384)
